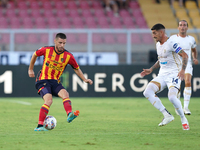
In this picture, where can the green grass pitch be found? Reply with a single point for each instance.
(103, 124)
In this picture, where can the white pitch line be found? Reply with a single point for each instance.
(19, 102)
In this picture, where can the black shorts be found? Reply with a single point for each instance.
(48, 86)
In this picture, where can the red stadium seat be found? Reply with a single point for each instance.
(134, 4)
(82, 38)
(84, 5)
(97, 39)
(11, 13)
(46, 5)
(73, 13)
(23, 13)
(32, 38)
(20, 38)
(99, 13)
(124, 13)
(116, 22)
(65, 23)
(44, 38)
(22, 5)
(96, 5)
(103, 22)
(3, 22)
(135, 39)
(140, 21)
(34, 5)
(4, 25)
(109, 38)
(137, 13)
(71, 38)
(40, 22)
(90, 22)
(121, 38)
(59, 5)
(52, 22)
(86, 13)
(36, 13)
(147, 38)
(27, 23)
(48, 13)
(128, 21)
(15, 23)
(72, 5)
(4, 38)
(77, 22)
(61, 13)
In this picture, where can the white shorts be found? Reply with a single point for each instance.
(170, 80)
(189, 69)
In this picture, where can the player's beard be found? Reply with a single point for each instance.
(60, 49)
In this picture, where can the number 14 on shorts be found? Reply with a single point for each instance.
(175, 80)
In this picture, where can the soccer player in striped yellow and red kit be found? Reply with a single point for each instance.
(56, 58)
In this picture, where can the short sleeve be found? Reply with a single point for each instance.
(73, 62)
(194, 45)
(41, 51)
(175, 46)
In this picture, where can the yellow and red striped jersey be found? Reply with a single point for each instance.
(54, 64)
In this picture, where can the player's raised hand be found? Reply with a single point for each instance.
(145, 72)
(31, 73)
(89, 81)
(181, 75)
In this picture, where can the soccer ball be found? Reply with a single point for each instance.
(50, 122)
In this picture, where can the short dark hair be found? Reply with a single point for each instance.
(158, 26)
(184, 21)
(61, 35)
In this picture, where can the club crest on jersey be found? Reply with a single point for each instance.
(62, 59)
(175, 45)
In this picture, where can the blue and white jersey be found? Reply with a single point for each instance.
(187, 43)
(170, 61)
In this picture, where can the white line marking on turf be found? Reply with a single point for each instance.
(19, 102)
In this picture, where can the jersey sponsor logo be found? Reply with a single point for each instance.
(175, 45)
(178, 49)
(163, 63)
(53, 67)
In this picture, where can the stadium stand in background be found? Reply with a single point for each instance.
(70, 14)
(90, 14)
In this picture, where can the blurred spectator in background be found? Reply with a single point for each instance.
(123, 4)
(111, 5)
(3, 3)
(157, 1)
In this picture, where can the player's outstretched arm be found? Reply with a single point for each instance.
(80, 74)
(31, 66)
(148, 71)
(184, 56)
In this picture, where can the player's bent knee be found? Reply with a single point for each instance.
(172, 95)
(148, 93)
